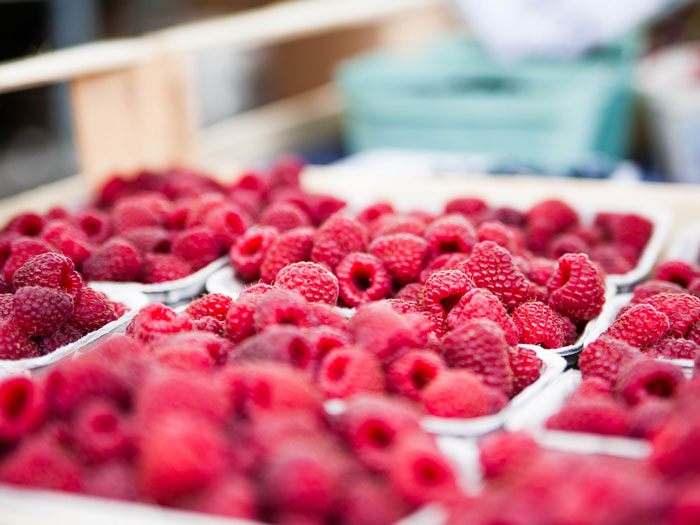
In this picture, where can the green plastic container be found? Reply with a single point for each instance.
(453, 97)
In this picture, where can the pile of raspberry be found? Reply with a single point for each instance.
(248, 439)
(45, 305)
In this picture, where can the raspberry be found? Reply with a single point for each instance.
(202, 349)
(69, 240)
(675, 448)
(247, 252)
(466, 206)
(611, 258)
(336, 238)
(362, 278)
(443, 290)
(380, 330)
(50, 270)
(100, 432)
(233, 497)
(373, 212)
(321, 207)
(65, 335)
(649, 417)
(546, 219)
(694, 287)
(526, 367)
(480, 346)
(281, 306)
(490, 266)
(22, 408)
(29, 224)
(227, 222)
(213, 305)
(412, 372)
(694, 333)
(640, 326)
(345, 372)
(113, 480)
(286, 344)
(597, 416)
(632, 230)
(149, 239)
(325, 338)
(96, 225)
(541, 270)
(604, 357)
(403, 255)
(239, 323)
(566, 243)
(41, 311)
(507, 453)
(196, 245)
(650, 288)
(21, 250)
(284, 216)
(256, 290)
(682, 310)
(577, 289)
(6, 302)
(134, 212)
(412, 293)
(450, 233)
(14, 343)
(686, 505)
(369, 500)
(677, 272)
(670, 348)
(457, 393)
(540, 325)
(155, 321)
(115, 260)
(499, 233)
(159, 268)
(208, 324)
(646, 378)
(287, 169)
(314, 282)
(444, 261)
(290, 247)
(396, 223)
(482, 304)
(92, 310)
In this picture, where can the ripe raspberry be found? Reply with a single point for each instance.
(284, 216)
(115, 260)
(597, 416)
(412, 293)
(14, 343)
(29, 224)
(290, 247)
(412, 372)
(490, 266)
(92, 310)
(336, 238)
(457, 393)
(482, 304)
(65, 335)
(675, 448)
(39, 311)
(320, 314)
(604, 357)
(325, 338)
(633, 231)
(592, 387)
(135, 212)
(577, 289)
(450, 233)
(197, 246)
(403, 255)
(670, 348)
(322, 207)
(566, 243)
(480, 346)
(155, 321)
(443, 290)
(643, 379)
(163, 267)
(21, 250)
(379, 329)
(649, 288)
(68, 239)
(373, 212)
(149, 239)
(50, 270)
(314, 282)
(466, 206)
(611, 258)
(247, 252)
(281, 306)
(22, 408)
(444, 261)
(239, 322)
(540, 325)
(677, 272)
(362, 278)
(227, 222)
(112, 480)
(506, 453)
(540, 270)
(346, 372)
(370, 500)
(202, 348)
(213, 305)
(682, 310)
(499, 233)
(6, 302)
(640, 326)
(233, 497)
(649, 417)
(694, 333)
(96, 225)
(694, 287)
(396, 223)
(546, 219)
(208, 324)
(526, 367)
(287, 169)
(100, 431)
(283, 343)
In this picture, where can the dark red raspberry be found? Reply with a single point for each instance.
(443, 290)
(403, 254)
(29, 224)
(21, 250)
(480, 346)
(647, 289)
(95, 224)
(450, 233)
(346, 372)
(506, 453)
(92, 311)
(648, 418)
(284, 216)
(100, 431)
(682, 310)
(379, 329)
(646, 378)
(373, 212)
(163, 267)
(633, 231)
(546, 219)
(670, 348)
(640, 326)
(6, 302)
(22, 407)
(280, 306)
(149, 239)
(396, 223)
(444, 261)
(69, 240)
(14, 343)
(676, 271)
(65, 335)
(362, 278)
(290, 247)
(227, 222)
(51, 270)
(526, 367)
(197, 246)
(336, 238)
(115, 260)
(214, 305)
(611, 258)
(491, 266)
(314, 282)
(482, 304)
(604, 357)
(501, 234)
(39, 311)
(540, 325)
(577, 289)
(456, 393)
(155, 321)
(597, 416)
(566, 243)
(247, 252)
(412, 372)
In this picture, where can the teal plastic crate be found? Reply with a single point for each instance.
(454, 97)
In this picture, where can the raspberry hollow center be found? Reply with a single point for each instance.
(362, 279)
(422, 374)
(15, 401)
(449, 302)
(428, 472)
(378, 434)
(660, 386)
(337, 369)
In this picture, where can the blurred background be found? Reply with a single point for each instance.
(557, 87)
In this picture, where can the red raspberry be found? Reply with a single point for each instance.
(346, 372)
(227, 222)
(29, 224)
(101, 432)
(632, 231)
(22, 408)
(675, 448)
(546, 219)
(371, 500)
(256, 290)
(403, 255)
(380, 330)
(443, 290)
(677, 272)
(287, 169)
(466, 206)
(597, 416)
(694, 287)
(541, 270)
(336, 238)
(396, 223)
(50, 270)
(648, 418)
(92, 310)
(650, 288)
(65, 335)
(362, 278)
(155, 321)
(21, 250)
(233, 497)
(643, 379)
(499, 233)
(197, 246)
(507, 454)
(482, 304)
(313, 281)
(682, 310)
(450, 233)
(39, 311)
(213, 305)
(592, 387)
(283, 343)
(281, 306)
(491, 266)
(290, 247)
(540, 325)
(325, 338)
(611, 258)
(6, 302)
(604, 357)
(115, 260)
(577, 289)
(526, 367)
(14, 343)
(670, 348)
(444, 261)
(113, 480)
(566, 243)
(373, 212)
(412, 293)
(96, 225)
(200, 347)
(68, 239)
(162, 267)
(412, 372)
(320, 314)
(694, 333)
(149, 239)
(480, 347)
(247, 252)
(284, 216)
(208, 324)
(640, 326)
(457, 393)
(135, 211)
(402, 307)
